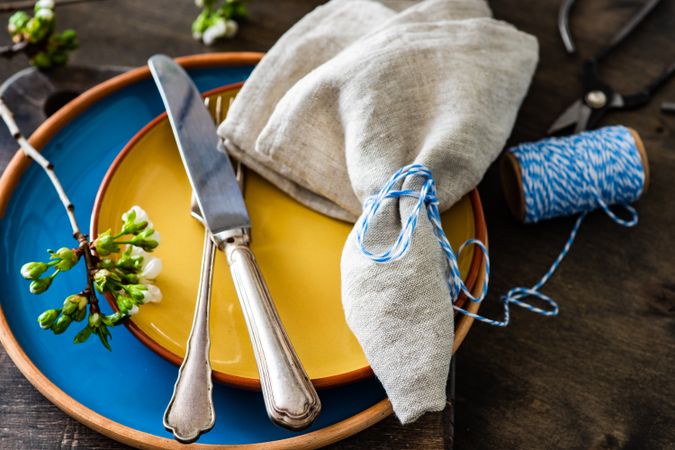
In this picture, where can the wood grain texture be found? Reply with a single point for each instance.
(600, 375)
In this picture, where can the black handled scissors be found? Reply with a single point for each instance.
(599, 97)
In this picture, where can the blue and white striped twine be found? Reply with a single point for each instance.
(561, 177)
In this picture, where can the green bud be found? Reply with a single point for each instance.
(33, 270)
(61, 324)
(83, 302)
(134, 228)
(40, 285)
(201, 23)
(113, 319)
(105, 244)
(67, 258)
(147, 239)
(80, 315)
(106, 263)
(69, 307)
(59, 58)
(37, 29)
(239, 11)
(41, 60)
(129, 262)
(17, 22)
(47, 318)
(75, 298)
(105, 280)
(124, 304)
(69, 38)
(134, 220)
(130, 278)
(137, 292)
(95, 320)
(75, 306)
(83, 335)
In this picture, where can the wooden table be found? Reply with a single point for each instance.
(601, 375)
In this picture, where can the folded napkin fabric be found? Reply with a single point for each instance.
(312, 41)
(438, 84)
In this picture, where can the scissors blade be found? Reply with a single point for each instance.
(568, 118)
(584, 117)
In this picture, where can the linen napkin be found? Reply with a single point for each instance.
(438, 84)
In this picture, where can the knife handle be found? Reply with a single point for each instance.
(190, 411)
(290, 398)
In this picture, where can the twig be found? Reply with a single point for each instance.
(48, 167)
(84, 244)
(10, 50)
(28, 4)
(91, 293)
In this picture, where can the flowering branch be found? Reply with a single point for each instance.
(36, 37)
(128, 275)
(215, 22)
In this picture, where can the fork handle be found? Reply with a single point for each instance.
(190, 411)
(290, 398)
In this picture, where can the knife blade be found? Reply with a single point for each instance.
(209, 169)
(290, 398)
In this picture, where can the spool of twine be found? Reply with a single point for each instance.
(571, 175)
(512, 173)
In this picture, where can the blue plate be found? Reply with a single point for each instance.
(123, 393)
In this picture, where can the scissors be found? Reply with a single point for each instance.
(598, 96)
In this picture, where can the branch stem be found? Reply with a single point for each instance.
(10, 50)
(48, 167)
(91, 268)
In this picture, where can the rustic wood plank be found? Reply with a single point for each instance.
(598, 376)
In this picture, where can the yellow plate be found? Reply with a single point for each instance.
(297, 248)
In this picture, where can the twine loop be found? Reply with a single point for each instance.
(426, 198)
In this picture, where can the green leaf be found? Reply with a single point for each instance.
(103, 337)
(83, 335)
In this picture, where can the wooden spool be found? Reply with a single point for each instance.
(512, 179)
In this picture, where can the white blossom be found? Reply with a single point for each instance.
(137, 251)
(152, 294)
(48, 4)
(46, 14)
(152, 267)
(218, 29)
(232, 28)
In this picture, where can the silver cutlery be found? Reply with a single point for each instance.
(290, 398)
(190, 411)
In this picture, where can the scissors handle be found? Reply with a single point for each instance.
(642, 97)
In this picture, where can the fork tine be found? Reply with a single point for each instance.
(218, 118)
(219, 110)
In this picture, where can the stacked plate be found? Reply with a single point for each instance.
(112, 148)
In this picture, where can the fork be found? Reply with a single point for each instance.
(190, 411)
